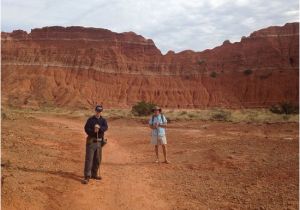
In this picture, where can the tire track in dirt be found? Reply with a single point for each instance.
(125, 184)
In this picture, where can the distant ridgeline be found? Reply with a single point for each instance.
(79, 67)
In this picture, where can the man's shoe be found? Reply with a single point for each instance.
(85, 180)
(97, 177)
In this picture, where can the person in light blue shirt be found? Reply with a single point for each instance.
(158, 124)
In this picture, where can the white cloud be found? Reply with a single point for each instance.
(249, 22)
(291, 13)
(218, 3)
(172, 24)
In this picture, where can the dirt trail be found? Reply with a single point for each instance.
(215, 165)
(125, 184)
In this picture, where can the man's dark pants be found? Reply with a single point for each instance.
(93, 158)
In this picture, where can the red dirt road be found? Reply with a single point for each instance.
(214, 166)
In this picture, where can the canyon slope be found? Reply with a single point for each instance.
(80, 67)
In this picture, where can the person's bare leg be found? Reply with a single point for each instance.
(156, 152)
(164, 147)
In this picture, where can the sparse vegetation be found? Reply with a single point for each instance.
(142, 108)
(229, 115)
(221, 115)
(248, 72)
(226, 42)
(5, 164)
(285, 108)
(192, 115)
(3, 115)
(200, 62)
(266, 76)
(213, 74)
(183, 113)
(168, 119)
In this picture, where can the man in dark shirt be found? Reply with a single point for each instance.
(94, 128)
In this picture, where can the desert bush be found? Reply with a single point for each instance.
(168, 119)
(226, 42)
(286, 117)
(191, 115)
(200, 62)
(142, 108)
(5, 164)
(285, 108)
(183, 113)
(3, 115)
(213, 74)
(220, 115)
(266, 76)
(276, 109)
(248, 72)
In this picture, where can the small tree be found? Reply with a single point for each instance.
(221, 115)
(200, 62)
(142, 108)
(213, 74)
(3, 116)
(285, 108)
(248, 72)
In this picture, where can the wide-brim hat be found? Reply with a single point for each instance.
(156, 108)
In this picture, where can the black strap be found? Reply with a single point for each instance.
(152, 121)
(163, 118)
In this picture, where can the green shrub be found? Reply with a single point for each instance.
(183, 113)
(266, 76)
(142, 108)
(5, 164)
(168, 119)
(286, 117)
(221, 115)
(3, 116)
(192, 115)
(248, 72)
(285, 108)
(276, 109)
(213, 74)
(200, 62)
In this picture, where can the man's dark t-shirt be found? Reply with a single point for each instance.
(90, 126)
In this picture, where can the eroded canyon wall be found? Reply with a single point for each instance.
(80, 67)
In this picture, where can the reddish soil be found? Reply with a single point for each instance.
(214, 165)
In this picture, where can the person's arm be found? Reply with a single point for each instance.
(150, 124)
(104, 126)
(88, 128)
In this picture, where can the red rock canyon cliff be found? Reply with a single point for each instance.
(79, 67)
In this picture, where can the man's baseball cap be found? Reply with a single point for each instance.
(99, 108)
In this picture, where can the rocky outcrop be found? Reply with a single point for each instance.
(78, 67)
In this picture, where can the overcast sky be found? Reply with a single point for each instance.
(172, 24)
